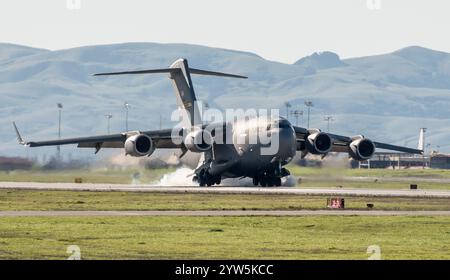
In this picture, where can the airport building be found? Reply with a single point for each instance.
(13, 163)
(440, 161)
(401, 161)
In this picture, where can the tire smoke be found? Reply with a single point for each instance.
(183, 177)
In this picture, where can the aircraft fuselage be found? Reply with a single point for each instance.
(258, 150)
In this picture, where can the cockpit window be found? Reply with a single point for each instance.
(284, 124)
(278, 124)
(281, 124)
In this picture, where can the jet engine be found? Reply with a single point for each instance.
(361, 149)
(198, 141)
(139, 145)
(318, 143)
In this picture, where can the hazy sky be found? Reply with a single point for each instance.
(281, 30)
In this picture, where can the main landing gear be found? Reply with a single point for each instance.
(270, 179)
(203, 178)
(267, 181)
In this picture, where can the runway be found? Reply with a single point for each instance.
(345, 192)
(370, 179)
(221, 213)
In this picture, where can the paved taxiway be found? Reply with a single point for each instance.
(211, 213)
(408, 180)
(420, 193)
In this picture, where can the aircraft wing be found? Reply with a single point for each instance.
(162, 139)
(341, 143)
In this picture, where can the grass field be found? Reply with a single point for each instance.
(225, 237)
(308, 237)
(386, 173)
(14, 200)
(111, 176)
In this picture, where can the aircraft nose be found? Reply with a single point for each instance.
(287, 143)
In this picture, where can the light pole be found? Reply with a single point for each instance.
(127, 107)
(328, 119)
(309, 104)
(108, 118)
(58, 148)
(428, 147)
(297, 114)
(288, 105)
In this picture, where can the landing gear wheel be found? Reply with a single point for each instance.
(218, 180)
(202, 178)
(285, 172)
(268, 181)
(263, 182)
(277, 181)
(255, 181)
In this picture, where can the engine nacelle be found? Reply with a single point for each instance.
(198, 141)
(361, 149)
(318, 143)
(139, 145)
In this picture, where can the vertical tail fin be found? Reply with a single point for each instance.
(180, 73)
(184, 90)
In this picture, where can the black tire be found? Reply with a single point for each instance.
(218, 180)
(202, 178)
(277, 182)
(255, 181)
(285, 172)
(263, 182)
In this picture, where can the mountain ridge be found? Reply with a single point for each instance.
(387, 97)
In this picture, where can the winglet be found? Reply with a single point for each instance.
(19, 137)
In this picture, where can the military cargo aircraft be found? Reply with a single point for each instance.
(226, 147)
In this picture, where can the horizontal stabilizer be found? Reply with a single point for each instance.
(211, 73)
(152, 71)
(171, 70)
